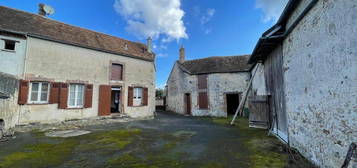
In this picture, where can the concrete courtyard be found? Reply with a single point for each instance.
(167, 141)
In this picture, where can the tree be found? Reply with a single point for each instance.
(159, 93)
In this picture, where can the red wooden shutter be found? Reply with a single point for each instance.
(63, 98)
(104, 100)
(54, 92)
(23, 92)
(117, 72)
(88, 96)
(202, 81)
(130, 96)
(145, 96)
(203, 100)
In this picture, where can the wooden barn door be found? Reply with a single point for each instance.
(275, 86)
(104, 100)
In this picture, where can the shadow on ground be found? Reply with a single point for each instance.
(167, 141)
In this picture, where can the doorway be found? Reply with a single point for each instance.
(115, 100)
(187, 102)
(232, 103)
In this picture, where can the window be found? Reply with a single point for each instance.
(39, 92)
(138, 94)
(10, 45)
(203, 100)
(117, 72)
(76, 94)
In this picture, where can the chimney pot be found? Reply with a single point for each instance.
(41, 11)
(149, 45)
(182, 54)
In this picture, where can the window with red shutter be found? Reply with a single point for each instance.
(130, 96)
(54, 92)
(23, 92)
(203, 100)
(63, 99)
(145, 96)
(116, 72)
(202, 81)
(88, 96)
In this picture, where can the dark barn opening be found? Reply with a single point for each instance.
(232, 103)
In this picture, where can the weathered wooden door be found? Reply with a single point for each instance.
(258, 112)
(275, 87)
(104, 100)
(187, 101)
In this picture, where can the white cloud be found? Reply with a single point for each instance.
(155, 18)
(208, 16)
(272, 8)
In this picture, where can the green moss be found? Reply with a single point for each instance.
(183, 133)
(40, 155)
(114, 140)
(37, 133)
(261, 147)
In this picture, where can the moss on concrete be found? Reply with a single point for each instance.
(262, 148)
(113, 140)
(40, 155)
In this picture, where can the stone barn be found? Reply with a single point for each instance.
(52, 71)
(210, 86)
(309, 76)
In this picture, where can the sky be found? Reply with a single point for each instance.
(204, 27)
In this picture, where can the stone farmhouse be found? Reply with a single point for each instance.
(306, 67)
(207, 87)
(51, 71)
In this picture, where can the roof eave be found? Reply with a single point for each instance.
(88, 47)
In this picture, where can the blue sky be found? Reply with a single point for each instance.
(205, 27)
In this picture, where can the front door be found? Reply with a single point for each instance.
(115, 100)
(187, 100)
(104, 100)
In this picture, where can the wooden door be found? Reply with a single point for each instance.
(275, 87)
(104, 100)
(187, 100)
(258, 112)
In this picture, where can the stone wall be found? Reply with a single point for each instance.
(320, 58)
(8, 107)
(219, 84)
(64, 63)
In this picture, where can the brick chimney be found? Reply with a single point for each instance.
(182, 54)
(149, 44)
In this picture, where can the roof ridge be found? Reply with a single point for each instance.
(217, 57)
(37, 15)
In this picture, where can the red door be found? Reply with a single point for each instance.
(104, 100)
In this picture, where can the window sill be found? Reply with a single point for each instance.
(137, 106)
(74, 108)
(37, 103)
(12, 51)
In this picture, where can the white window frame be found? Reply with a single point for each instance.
(137, 99)
(39, 93)
(76, 98)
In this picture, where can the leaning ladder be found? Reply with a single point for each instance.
(245, 94)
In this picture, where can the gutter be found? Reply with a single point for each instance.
(269, 35)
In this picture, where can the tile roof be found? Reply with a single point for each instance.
(41, 27)
(223, 64)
